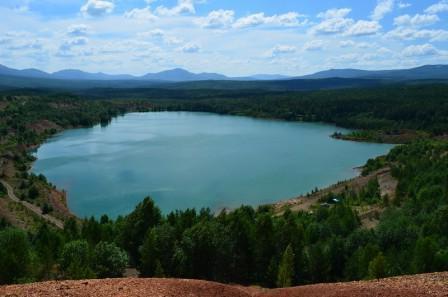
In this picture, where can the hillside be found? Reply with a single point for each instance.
(423, 72)
(434, 285)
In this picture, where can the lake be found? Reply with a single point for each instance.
(185, 160)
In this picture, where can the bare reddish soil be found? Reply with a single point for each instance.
(425, 285)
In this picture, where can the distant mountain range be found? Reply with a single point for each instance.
(181, 75)
(173, 75)
(423, 72)
(180, 79)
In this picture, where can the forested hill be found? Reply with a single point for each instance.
(389, 109)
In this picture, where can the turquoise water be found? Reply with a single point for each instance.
(184, 160)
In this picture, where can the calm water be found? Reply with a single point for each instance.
(197, 160)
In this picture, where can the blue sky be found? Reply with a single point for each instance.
(232, 37)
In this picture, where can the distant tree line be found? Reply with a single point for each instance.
(391, 108)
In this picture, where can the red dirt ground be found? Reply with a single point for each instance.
(425, 285)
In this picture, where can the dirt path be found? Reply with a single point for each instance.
(35, 209)
(304, 203)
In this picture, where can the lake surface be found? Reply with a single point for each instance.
(184, 160)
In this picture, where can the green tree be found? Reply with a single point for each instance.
(377, 267)
(15, 256)
(76, 260)
(425, 255)
(264, 248)
(33, 192)
(148, 255)
(159, 272)
(286, 268)
(109, 260)
(145, 216)
(47, 244)
(71, 230)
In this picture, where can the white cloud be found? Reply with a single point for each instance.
(334, 21)
(334, 13)
(15, 43)
(439, 7)
(332, 26)
(382, 8)
(361, 28)
(97, 8)
(141, 14)
(403, 5)
(289, 19)
(413, 34)
(218, 19)
(160, 35)
(68, 44)
(416, 20)
(190, 48)
(420, 50)
(313, 45)
(171, 40)
(281, 50)
(78, 30)
(156, 33)
(346, 43)
(351, 43)
(182, 7)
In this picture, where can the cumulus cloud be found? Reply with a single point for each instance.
(346, 43)
(313, 45)
(12, 42)
(439, 7)
(420, 50)
(382, 8)
(334, 21)
(218, 19)
(68, 44)
(172, 40)
(351, 43)
(289, 19)
(413, 34)
(416, 20)
(334, 13)
(78, 30)
(182, 7)
(190, 48)
(157, 33)
(361, 28)
(281, 50)
(141, 14)
(97, 8)
(160, 35)
(403, 5)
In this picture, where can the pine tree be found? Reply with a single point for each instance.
(377, 267)
(159, 272)
(286, 268)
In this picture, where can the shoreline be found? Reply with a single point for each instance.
(33, 148)
(355, 172)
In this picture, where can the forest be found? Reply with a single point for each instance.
(246, 245)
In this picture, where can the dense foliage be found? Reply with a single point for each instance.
(419, 107)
